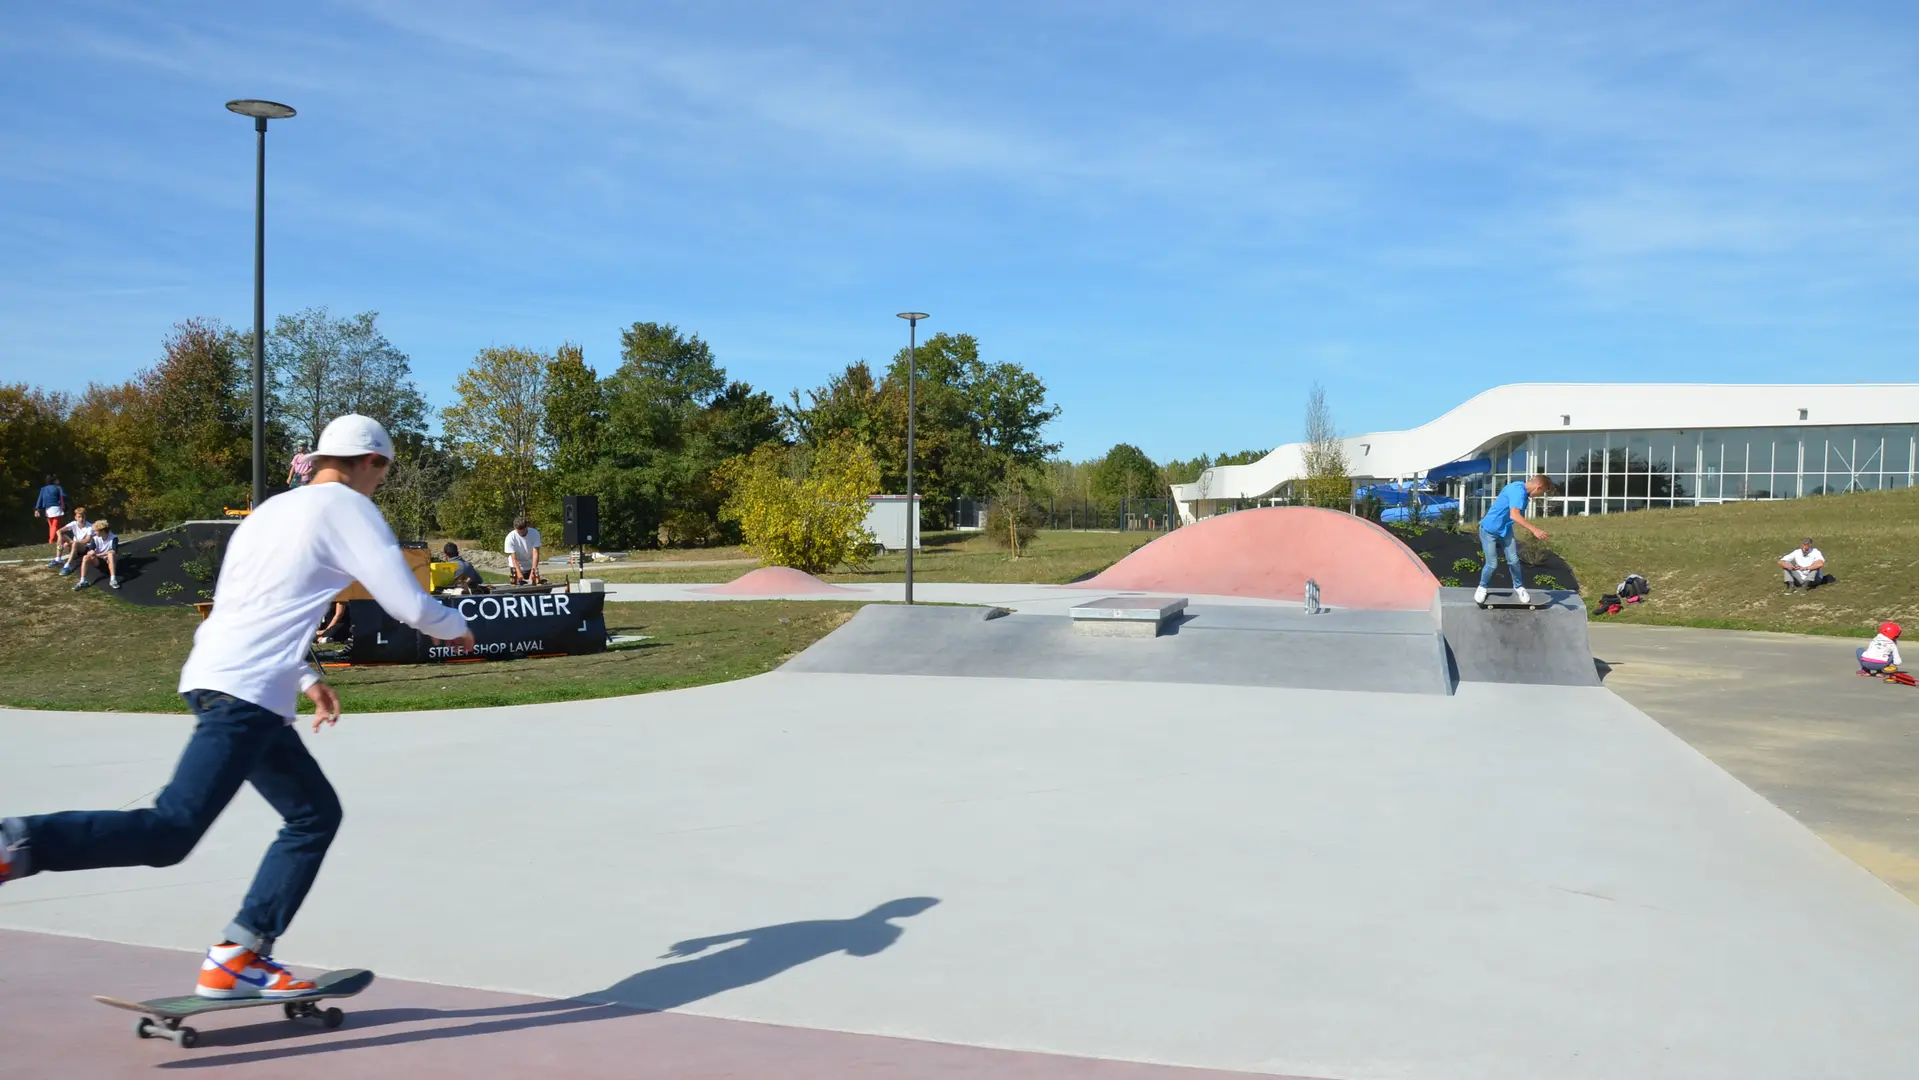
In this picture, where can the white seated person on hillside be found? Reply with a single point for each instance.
(1805, 566)
(522, 552)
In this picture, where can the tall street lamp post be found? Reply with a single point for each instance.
(912, 511)
(261, 111)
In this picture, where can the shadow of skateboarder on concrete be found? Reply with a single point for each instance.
(703, 967)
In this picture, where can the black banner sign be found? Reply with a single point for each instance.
(506, 626)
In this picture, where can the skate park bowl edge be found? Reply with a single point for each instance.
(1270, 553)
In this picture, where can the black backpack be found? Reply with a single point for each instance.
(1634, 585)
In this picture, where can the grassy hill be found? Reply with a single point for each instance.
(1716, 566)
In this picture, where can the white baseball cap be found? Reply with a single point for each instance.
(353, 435)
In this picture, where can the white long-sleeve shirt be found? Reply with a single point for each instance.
(283, 567)
(1882, 649)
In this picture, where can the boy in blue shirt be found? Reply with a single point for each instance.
(1496, 530)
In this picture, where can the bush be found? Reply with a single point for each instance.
(1465, 566)
(1533, 550)
(1449, 581)
(1426, 555)
(1007, 519)
(1449, 519)
(1546, 581)
(800, 508)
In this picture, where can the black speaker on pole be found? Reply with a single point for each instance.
(579, 520)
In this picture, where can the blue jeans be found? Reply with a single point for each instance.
(233, 742)
(1508, 543)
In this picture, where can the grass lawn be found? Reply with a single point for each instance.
(89, 650)
(1054, 557)
(1717, 566)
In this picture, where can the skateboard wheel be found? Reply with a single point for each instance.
(332, 1018)
(143, 1028)
(187, 1038)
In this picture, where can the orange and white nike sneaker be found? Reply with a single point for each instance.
(235, 971)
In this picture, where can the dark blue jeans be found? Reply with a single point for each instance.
(233, 742)
(1510, 545)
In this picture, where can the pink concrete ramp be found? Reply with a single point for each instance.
(1270, 552)
(774, 581)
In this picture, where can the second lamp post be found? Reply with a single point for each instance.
(912, 510)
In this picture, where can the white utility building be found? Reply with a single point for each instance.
(1613, 447)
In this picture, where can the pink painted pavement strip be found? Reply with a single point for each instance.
(50, 1027)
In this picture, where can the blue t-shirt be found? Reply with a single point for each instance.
(1499, 518)
(51, 496)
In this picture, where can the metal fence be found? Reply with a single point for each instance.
(1124, 515)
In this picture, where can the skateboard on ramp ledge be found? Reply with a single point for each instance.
(164, 1018)
(1504, 598)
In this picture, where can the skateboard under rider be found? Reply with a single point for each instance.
(1504, 598)
(164, 1018)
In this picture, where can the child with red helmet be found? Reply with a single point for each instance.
(1882, 654)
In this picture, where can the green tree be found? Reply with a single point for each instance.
(321, 367)
(803, 507)
(574, 417)
(672, 418)
(497, 427)
(36, 439)
(190, 412)
(1125, 473)
(847, 404)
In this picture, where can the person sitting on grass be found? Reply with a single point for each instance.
(77, 548)
(71, 536)
(464, 576)
(102, 547)
(1805, 566)
(1881, 654)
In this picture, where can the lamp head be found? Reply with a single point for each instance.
(260, 110)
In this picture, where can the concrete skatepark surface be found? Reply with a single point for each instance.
(1274, 645)
(940, 843)
(1786, 715)
(1515, 881)
(1545, 645)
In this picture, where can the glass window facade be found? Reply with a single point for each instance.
(1610, 472)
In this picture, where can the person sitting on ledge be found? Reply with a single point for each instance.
(70, 539)
(103, 547)
(1805, 566)
(464, 576)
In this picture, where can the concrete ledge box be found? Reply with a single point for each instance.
(1127, 616)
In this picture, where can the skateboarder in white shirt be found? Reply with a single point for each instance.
(284, 565)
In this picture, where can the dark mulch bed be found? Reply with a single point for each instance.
(1446, 548)
(173, 566)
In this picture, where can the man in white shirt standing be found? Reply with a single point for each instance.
(1805, 566)
(523, 552)
(284, 565)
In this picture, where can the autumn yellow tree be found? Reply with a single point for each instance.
(803, 507)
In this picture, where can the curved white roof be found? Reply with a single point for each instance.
(1547, 407)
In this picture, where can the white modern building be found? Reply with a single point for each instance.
(1613, 447)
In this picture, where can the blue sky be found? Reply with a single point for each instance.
(1178, 214)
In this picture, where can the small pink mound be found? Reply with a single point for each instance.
(774, 581)
(1270, 552)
